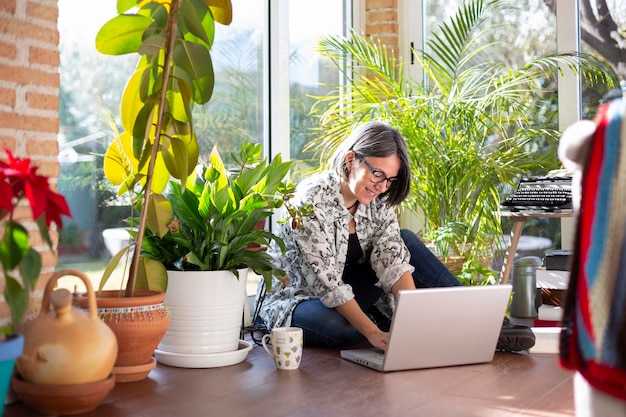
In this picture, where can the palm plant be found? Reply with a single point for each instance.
(472, 128)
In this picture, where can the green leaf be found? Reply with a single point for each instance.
(30, 269)
(195, 59)
(142, 128)
(178, 103)
(17, 298)
(177, 160)
(151, 275)
(125, 5)
(122, 34)
(199, 22)
(160, 214)
(43, 230)
(152, 44)
(112, 265)
(14, 245)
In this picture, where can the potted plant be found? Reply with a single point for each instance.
(212, 242)
(19, 181)
(174, 72)
(472, 128)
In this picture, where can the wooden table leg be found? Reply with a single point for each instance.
(507, 265)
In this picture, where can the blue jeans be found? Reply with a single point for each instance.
(326, 327)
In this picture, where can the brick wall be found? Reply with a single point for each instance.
(29, 106)
(381, 21)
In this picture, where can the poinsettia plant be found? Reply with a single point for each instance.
(20, 181)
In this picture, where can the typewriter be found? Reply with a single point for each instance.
(547, 193)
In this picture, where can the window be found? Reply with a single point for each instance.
(537, 30)
(265, 67)
(308, 75)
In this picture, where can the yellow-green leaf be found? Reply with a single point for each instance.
(118, 165)
(151, 275)
(131, 102)
(222, 10)
(160, 214)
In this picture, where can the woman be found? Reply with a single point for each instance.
(345, 260)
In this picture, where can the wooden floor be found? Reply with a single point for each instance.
(326, 385)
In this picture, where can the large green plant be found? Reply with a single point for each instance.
(173, 39)
(472, 127)
(217, 216)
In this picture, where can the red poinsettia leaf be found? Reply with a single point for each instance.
(55, 207)
(6, 195)
(36, 198)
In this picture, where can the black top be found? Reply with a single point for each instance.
(354, 249)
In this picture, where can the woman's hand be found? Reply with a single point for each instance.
(353, 313)
(379, 339)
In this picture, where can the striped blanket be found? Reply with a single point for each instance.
(593, 341)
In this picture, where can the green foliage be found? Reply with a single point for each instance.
(217, 217)
(474, 127)
(16, 253)
(174, 72)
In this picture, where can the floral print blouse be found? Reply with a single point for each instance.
(316, 252)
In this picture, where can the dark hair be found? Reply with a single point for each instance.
(380, 140)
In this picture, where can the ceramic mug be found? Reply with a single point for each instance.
(286, 346)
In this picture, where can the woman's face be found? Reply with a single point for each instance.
(360, 182)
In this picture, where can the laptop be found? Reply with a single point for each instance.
(438, 327)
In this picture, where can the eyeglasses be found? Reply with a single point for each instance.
(377, 176)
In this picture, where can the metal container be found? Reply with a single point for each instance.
(524, 302)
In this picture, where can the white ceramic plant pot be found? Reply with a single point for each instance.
(206, 316)
(116, 239)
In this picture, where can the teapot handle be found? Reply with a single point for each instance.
(91, 296)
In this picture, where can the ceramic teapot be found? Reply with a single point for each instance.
(64, 344)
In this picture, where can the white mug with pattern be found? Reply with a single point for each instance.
(286, 346)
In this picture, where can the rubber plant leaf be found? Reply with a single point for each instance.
(195, 59)
(122, 34)
(222, 10)
(177, 100)
(151, 275)
(125, 5)
(152, 44)
(160, 214)
(115, 260)
(121, 167)
(117, 163)
(131, 102)
(177, 159)
(143, 129)
(199, 22)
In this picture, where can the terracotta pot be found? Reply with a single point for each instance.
(138, 323)
(62, 399)
(66, 345)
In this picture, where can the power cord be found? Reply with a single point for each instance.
(255, 328)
